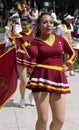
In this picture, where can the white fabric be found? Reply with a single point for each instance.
(17, 28)
(48, 81)
(15, 15)
(54, 16)
(68, 17)
(6, 39)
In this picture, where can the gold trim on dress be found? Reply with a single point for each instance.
(48, 43)
(29, 32)
(63, 89)
(50, 67)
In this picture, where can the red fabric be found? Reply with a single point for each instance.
(8, 76)
(2, 47)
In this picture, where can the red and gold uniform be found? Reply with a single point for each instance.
(48, 74)
(22, 57)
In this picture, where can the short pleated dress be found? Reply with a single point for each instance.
(23, 58)
(48, 74)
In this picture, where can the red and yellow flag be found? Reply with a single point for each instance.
(8, 75)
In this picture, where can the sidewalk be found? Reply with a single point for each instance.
(12, 117)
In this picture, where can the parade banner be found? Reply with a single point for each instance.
(8, 76)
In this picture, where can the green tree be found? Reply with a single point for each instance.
(60, 7)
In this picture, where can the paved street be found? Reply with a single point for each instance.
(12, 117)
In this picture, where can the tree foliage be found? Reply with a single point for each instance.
(60, 7)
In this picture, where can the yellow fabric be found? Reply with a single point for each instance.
(68, 35)
(13, 36)
(2, 42)
(25, 44)
(50, 67)
(49, 43)
(49, 87)
(21, 50)
(65, 67)
(19, 7)
(71, 59)
(29, 32)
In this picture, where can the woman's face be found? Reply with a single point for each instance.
(68, 21)
(25, 26)
(46, 25)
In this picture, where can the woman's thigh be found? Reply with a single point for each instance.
(22, 71)
(58, 103)
(42, 104)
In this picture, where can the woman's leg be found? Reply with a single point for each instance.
(22, 71)
(42, 104)
(57, 103)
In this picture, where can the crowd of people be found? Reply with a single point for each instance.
(44, 46)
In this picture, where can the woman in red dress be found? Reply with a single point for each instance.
(48, 81)
(23, 59)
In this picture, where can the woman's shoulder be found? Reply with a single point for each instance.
(59, 38)
(36, 41)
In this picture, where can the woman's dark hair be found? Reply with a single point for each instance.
(26, 18)
(38, 32)
(41, 15)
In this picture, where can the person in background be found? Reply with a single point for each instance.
(47, 80)
(22, 8)
(57, 30)
(23, 59)
(16, 24)
(35, 12)
(68, 28)
(43, 10)
(33, 16)
(76, 27)
(53, 14)
(8, 29)
(13, 28)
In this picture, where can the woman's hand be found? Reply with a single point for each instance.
(65, 67)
